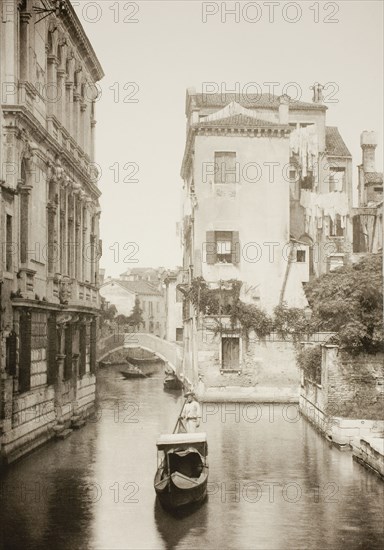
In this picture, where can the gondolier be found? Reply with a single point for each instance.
(191, 414)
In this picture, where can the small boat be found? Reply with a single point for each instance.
(171, 382)
(133, 372)
(103, 364)
(182, 473)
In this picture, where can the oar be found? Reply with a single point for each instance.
(179, 419)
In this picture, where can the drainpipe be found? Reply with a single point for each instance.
(282, 292)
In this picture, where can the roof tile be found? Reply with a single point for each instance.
(334, 143)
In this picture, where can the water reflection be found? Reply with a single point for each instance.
(274, 483)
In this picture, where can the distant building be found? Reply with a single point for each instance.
(149, 274)
(368, 216)
(173, 304)
(49, 223)
(122, 294)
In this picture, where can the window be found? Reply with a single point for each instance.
(230, 353)
(378, 189)
(11, 353)
(8, 240)
(68, 352)
(300, 256)
(150, 308)
(179, 334)
(307, 181)
(223, 247)
(25, 351)
(52, 349)
(225, 168)
(82, 349)
(336, 179)
(335, 227)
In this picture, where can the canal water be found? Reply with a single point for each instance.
(274, 483)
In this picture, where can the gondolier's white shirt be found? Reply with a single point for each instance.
(192, 410)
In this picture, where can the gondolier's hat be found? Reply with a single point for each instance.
(189, 393)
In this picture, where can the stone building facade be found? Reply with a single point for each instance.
(267, 197)
(49, 227)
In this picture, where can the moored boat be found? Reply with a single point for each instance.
(133, 372)
(182, 474)
(171, 382)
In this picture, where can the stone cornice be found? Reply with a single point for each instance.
(51, 306)
(79, 37)
(267, 131)
(42, 135)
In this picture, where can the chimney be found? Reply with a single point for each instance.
(283, 109)
(368, 142)
(317, 93)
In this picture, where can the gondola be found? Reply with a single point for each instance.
(182, 473)
(133, 372)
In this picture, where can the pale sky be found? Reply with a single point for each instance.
(170, 49)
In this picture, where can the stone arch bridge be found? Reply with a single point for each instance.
(169, 352)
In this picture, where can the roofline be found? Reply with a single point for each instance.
(73, 24)
(293, 104)
(135, 292)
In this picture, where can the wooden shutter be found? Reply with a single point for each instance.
(52, 349)
(210, 247)
(236, 251)
(25, 352)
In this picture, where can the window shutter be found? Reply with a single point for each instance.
(235, 247)
(210, 246)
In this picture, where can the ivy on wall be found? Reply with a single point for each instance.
(309, 361)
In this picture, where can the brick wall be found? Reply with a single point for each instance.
(350, 400)
(355, 384)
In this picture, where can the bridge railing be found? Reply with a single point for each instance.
(168, 351)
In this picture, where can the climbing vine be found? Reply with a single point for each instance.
(225, 300)
(309, 360)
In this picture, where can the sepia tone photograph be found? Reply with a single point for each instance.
(191, 275)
